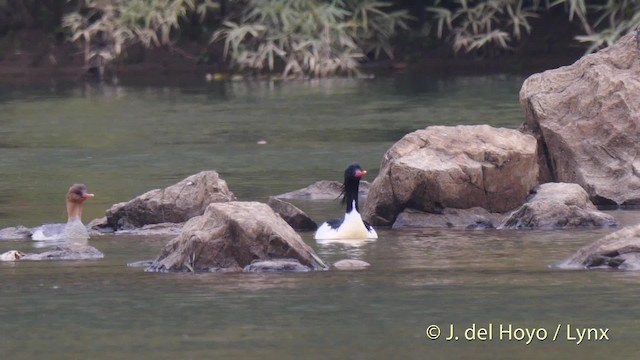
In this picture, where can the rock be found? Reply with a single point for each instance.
(473, 218)
(351, 264)
(175, 204)
(453, 167)
(323, 190)
(162, 229)
(585, 117)
(15, 233)
(230, 236)
(278, 265)
(67, 252)
(141, 263)
(100, 226)
(555, 206)
(295, 217)
(11, 255)
(62, 252)
(620, 249)
(628, 261)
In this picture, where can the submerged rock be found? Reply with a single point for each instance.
(557, 206)
(279, 265)
(351, 264)
(620, 249)
(62, 252)
(162, 229)
(174, 204)
(454, 167)
(141, 263)
(295, 217)
(230, 236)
(585, 118)
(473, 218)
(323, 190)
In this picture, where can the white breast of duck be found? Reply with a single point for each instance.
(351, 226)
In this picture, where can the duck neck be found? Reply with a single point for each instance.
(351, 188)
(74, 211)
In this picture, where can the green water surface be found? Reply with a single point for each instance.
(127, 139)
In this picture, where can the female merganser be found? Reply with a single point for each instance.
(351, 226)
(73, 230)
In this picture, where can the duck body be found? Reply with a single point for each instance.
(351, 226)
(47, 232)
(73, 229)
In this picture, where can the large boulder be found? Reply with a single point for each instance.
(231, 236)
(454, 167)
(174, 204)
(555, 206)
(586, 118)
(620, 249)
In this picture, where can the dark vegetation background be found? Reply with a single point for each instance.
(301, 38)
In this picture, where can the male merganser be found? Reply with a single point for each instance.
(351, 226)
(73, 230)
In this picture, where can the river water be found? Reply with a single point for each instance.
(127, 139)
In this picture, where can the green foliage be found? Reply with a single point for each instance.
(475, 24)
(309, 37)
(306, 37)
(615, 18)
(107, 27)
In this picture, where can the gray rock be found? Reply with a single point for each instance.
(162, 229)
(457, 167)
(11, 255)
(555, 206)
(62, 252)
(100, 226)
(141, 263)
(473, 218)
(323, 190)
(15, 233)
(175, 204)
(585, 118)
(278, 265)
(295, 217)
(351, 264)
(230, 236)
(628, 261)
(620, 249)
